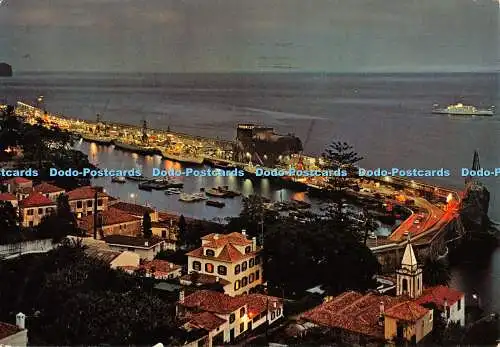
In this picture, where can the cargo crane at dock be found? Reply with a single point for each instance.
(300, 163)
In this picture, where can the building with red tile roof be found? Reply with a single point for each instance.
(10, 198)
(33, 208)
(448, 301)
(49, 190)
(226, 317)
(82, 199)
(136, 210)
(158, 269)
(232, 257)
(111, 222)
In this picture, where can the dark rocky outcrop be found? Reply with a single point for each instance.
(5, 70)
(474, 211)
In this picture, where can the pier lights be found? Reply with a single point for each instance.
(449, 198)
(387, 179)
(132, 197)
(413, 184)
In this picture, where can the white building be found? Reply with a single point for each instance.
(146, 248)
(448, 301)
(232, 258)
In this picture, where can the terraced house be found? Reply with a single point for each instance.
(232, 258)
(82, 199)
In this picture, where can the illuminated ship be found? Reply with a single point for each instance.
(463, 110)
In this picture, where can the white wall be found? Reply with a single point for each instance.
(16, 249)
(457, 315)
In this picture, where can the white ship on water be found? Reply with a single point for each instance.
(464, 110)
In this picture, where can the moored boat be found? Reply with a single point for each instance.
(215, 192)
(182, 158)
(139, 149)
(102, 140)
(118, 179)
(214, 203)
(172, 191)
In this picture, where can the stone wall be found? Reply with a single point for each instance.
(26, 247)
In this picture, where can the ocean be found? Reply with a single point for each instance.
(386, 117)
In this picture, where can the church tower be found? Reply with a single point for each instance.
(409, 276)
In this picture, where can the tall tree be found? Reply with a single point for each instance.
(9, 231)
(146, 226)
(341, 155)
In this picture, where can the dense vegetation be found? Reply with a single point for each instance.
(42, 148)
(72, 299)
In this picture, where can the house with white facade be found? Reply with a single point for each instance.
(231, 257)
(224, 317)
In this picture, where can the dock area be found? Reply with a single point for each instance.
(428, 214)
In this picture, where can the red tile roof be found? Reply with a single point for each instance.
(353, 312)
(438, 295)
(7, 197)
(134, 209)
(258, 303)
(110, 216)
(86, 192)
(160, 267)
(407, 311)
(205, 320)
(229, 252)
(46, 188)
(36, 199)
(219, 240)
(7, 330)
(210, 301)
(18, 180)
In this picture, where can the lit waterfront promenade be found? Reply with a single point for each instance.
(427, 218)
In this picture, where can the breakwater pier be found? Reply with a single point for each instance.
(435, 209)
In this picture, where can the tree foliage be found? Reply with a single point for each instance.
(146, 226)
(436, 272)
(9, 231)
(300, 256)
(341, 155)
(72, 299)
(60, 223)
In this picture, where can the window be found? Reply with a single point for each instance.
(209, 267)
(79, 204)
(210, 253)
(244, 281)
(257, 274)
(242, 312)
(232, 318)
(237, 269)
(248, 249)
(405, 285)
(31, 223)
(237, 285)
(40, 211)
(29, 212)
(164, 233)
(430, 319)
(90, 203)
(278, 312)
(257, 260)
(251, 278)
(251, 262)
(48, 210)
(242, 327)
(273, 315)
(196, 265)
(221, 270)
(99, 202)
(447, 312)
(47, 195)
(244, 266)
(459, 304)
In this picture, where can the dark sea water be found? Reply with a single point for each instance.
(385, 116)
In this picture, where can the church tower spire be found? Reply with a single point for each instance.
(409, 276)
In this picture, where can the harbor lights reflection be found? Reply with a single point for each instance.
(247, 188)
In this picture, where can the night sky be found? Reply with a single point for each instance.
(250, 35)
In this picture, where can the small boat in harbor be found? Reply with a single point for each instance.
(140, 178)
(220, 164)
(229, 193)
(185, 197)
(118, 179)
(215, 192)
(99, 139)
(214, 203)
(174, 183)
(463, 110)
(172, 191)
